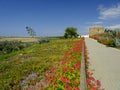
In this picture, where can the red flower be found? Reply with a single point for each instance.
(53, 70)
(77, 88)
(54, 79)
(93, 88)
(98, 83)
(64, 79)
(77, 66)
(65, 70)
(88, 81)
(31, 88)
(68, 87)
(89, 73)
(56, 85)
(49, 75)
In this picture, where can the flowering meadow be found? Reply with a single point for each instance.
(50, 66)
(66, 74)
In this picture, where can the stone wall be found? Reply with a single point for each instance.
(96, 30)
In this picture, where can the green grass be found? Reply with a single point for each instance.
(37, 58)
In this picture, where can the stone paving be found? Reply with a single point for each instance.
(104, 63)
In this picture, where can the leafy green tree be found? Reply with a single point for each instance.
(30, 31)
(71, 32)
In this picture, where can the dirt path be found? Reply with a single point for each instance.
(105, 63)
(23, 39)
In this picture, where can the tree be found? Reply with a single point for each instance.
(30, 31)
(71, 32)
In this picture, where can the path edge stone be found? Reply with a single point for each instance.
(83, 85)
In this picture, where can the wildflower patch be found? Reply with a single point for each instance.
(66, 75)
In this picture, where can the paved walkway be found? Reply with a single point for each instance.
(105, 63)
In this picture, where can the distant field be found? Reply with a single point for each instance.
(23, 39)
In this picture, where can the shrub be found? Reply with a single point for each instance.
(43, 41)
(105, 39)
(10, 46)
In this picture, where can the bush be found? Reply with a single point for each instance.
(43, 41)
(105, 39)
(10, 46)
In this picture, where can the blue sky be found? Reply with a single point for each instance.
(52, 17)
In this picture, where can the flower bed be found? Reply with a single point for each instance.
(105, 39)
(66, 75)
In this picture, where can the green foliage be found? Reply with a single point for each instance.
(43, 41)
(105, 38)
(10, 46)
(71, 32)
(111, 43)
(115, 35)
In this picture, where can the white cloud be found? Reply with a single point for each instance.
(109, 13)
(117, 26)
(95, 23)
